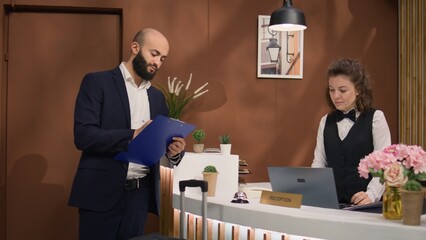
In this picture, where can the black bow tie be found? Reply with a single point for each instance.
(351, 115)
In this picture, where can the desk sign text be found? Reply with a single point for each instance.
(281, 199)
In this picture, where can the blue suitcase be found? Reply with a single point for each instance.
(182, 186)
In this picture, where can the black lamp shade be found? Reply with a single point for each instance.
(287, 18)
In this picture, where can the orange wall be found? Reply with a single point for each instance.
(217, 42)
(272, 121)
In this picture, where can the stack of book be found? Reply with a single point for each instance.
(242, 171)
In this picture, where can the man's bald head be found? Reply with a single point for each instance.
(146, 33)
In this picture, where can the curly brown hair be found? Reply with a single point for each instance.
(357, 74)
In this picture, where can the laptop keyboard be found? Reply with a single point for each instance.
(345, 205)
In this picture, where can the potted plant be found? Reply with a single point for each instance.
(198, 136)
(210, 175)
(401, 168)
(225, 144)
(178, 96)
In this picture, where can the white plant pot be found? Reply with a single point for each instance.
(225, 149)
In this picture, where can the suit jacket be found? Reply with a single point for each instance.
(101, 130)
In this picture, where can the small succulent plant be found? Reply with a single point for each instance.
(199, 135)
(210, 169)
(225, 139)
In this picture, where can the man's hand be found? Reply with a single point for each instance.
(139, 130)
(176, 147)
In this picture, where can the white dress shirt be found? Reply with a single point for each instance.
(139, 114)
(381, 139)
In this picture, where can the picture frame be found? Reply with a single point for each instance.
(279, 53)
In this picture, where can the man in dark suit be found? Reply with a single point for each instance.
(113, 107)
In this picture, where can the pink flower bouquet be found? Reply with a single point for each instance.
(398, 165)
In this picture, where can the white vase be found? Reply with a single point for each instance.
(225, 149)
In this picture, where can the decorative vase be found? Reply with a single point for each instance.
(211, 179)
(392, 203)
(225, 149)
(198, 147)
(412, 204)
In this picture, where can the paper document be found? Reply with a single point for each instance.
(151, 144)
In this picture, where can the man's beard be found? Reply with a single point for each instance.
(141, 67)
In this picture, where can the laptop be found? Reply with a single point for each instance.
(315, 184)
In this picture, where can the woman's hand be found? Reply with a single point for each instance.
(360, 198)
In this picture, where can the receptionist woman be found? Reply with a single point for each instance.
(351, 130)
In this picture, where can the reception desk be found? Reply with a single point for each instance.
(311, 222)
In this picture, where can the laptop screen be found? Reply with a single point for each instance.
(315, 184)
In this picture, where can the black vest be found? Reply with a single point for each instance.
(344, 156)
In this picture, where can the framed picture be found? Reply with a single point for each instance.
(279, 53)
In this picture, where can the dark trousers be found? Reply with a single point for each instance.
(124, 221)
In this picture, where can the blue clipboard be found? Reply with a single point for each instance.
(152, 142)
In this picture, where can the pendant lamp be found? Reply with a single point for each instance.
(287, 18)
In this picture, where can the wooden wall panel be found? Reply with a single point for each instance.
(47, 60)
(412, 67)
(166, 202)
(218, 230)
